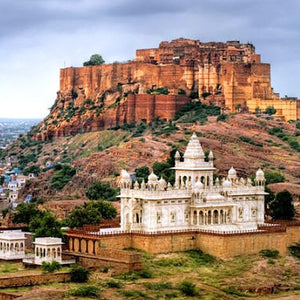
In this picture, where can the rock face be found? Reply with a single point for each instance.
(155, 84)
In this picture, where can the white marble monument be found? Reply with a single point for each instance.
(196, 201)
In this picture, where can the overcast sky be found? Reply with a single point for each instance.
(38, 37)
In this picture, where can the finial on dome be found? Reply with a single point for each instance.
(194, 128)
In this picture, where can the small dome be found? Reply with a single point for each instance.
(136, 185)
(260, 172)
(198, 185)
(260, 175)
(177, 155)
(124, 175)
(232, 171)
(152, 177)
(210, 155)
(162, 182)
(226, 183)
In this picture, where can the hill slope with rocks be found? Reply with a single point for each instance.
(245, 141)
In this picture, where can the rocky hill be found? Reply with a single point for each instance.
(245, 141)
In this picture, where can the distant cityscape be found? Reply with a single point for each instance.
(11, 129)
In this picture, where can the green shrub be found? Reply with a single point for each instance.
(196, 111)
(158, 91)
(140, 130)
(145, 274)
(74, 94)
(158, 286)
(99, 190)
(79, 274)
(114, 284)
(250, 141)
(62, 175)
(136, 294)
(273, 177)
(222, 118)
(188, 288)
(194, 95)
(200, 257)
(181, 92)
(85, 291)
(269, 253)
(48, 267)
(295, 250)
(233, 291)
(270, 110)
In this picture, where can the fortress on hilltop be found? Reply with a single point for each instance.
(157, 83)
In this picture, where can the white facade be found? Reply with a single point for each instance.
(47, 249)
(12, 245)
(196, 201)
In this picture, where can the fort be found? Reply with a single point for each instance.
(228, 74)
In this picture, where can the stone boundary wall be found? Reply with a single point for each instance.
(273, 236)
(119, 260)
(8, 296)
(28, 280)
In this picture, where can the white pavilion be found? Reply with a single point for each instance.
(12, 245)
(196, 201)
(47, 249)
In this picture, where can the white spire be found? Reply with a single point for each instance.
(194, 150)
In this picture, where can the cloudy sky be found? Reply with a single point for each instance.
(38, 37)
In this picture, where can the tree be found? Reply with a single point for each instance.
(142, 173)
(32, 169)
(268, 198)
(283, 207)
(95, 60)
(103, 191)
(270, 110)
(90, 213)
(273, 177)
(45, 225)
(163, 169)
(25, 212)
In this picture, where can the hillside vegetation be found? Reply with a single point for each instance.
(186, 275)
(245, 141)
